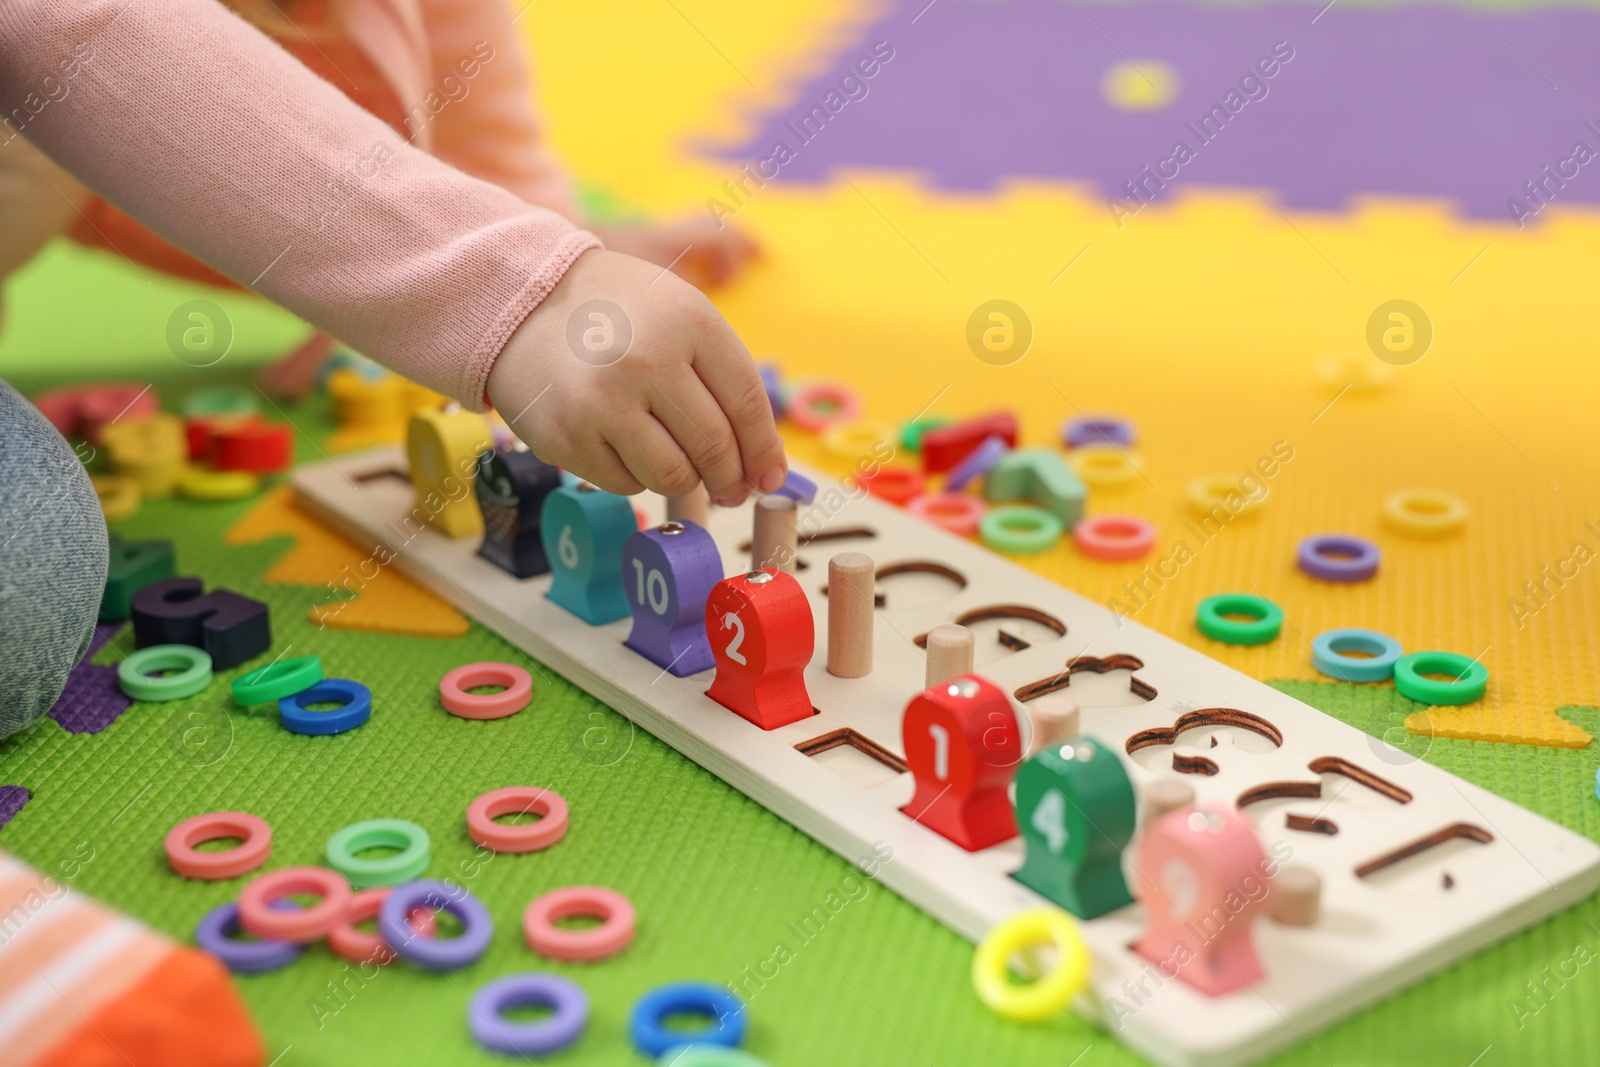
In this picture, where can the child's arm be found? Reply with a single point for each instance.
(197, 125)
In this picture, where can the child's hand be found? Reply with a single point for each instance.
(699, 251)
(628, 377)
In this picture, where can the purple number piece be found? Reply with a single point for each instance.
(1097, 430)
(1338, 557)
(774, 385)
(12, 798)
(798, 487)
(435, 953)
(978, 462)
(217, 934)
(669, 572)
(486, 1014)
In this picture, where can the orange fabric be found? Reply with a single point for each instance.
(61, 1022)
(184, 1011)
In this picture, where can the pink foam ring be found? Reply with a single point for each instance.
(614, 933)
(298, 925)
(1206, 884)
(512, 699)
(819, 405)
(1114, 537)
(956, 512)
(522, 837)
(362, 946)
(253, 849)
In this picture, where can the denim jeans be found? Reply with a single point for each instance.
(52, 562)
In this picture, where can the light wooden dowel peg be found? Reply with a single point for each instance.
(1054, 719)
(1296, 896)
(774, 539)
(1164, 795)
(850, 607)
(690, 508)
(949, 653)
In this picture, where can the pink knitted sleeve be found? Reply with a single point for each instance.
(204, 130)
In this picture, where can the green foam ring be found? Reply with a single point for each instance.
(137, 678)
(911, 433)
(1471, 678)
(1020, 528)
(282, 678)
(705, 1054)
(220, 400)
(404, 866)
(1265, 619)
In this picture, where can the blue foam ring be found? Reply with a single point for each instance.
(797, 487)
(357, 708)
(1327, 646)
(653, 1039)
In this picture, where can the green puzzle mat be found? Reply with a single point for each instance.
(719, 882)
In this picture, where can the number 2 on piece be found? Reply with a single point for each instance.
(730, 621)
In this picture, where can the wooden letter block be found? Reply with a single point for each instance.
(133, 565)
(443, 446)
(946, 446)
(1209, 882)
(962, 746)
(762, 636)
(584, 530)
(1075, 805)
(231, 628)
(669, 572)
(512, 486)
(1039, 475)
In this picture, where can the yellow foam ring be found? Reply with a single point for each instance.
(859, 440)
(201, 483)
(1357, 370)
(119, 495)
(1425, 512)
(1050, 993)
(1105, 464)
(1140, 85)
(1211, 491)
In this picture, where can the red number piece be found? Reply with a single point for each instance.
(259, 447)
(943, 448)
(962, 746)
(762, 637)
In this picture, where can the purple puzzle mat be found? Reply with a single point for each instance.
(92, 699)
(1425, 101)
(12, 798)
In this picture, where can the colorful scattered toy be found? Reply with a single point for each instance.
(173, 611)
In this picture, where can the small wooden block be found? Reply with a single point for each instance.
(693, 507)
(1075, 806)
(946, 446)
(584, 530)
(512, 485)
(1296, 896)
(443, 446)
(850, 610)
(670, 570)
(1206, 866)
(362, 401)
(950, 651)
(132, 566)
(150, 449)
(775, 540)
(962, 743)
(762, 635)
(253, 446)
(1166, 795)
(231, 628)
(1055, 720)
(1040, 476)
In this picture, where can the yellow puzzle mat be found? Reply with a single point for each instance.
(1204, 322)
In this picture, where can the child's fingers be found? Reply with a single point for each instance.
(725, 366)
(600, 465)
(691, 416)
(654, 457)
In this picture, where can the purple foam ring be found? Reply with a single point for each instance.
(773, 381)
(435, 953)
(491, 1029)
(1096, 430)
(667, 573)
(217, 934)
(1338, 557)
(978, 462)
(798, 487)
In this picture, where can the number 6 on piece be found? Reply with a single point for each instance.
(584, 531)
(762, 637)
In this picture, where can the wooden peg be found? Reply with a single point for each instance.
(1164, 795)
(1296, 896)
(850, 606)
(690, 508)
(1054, 719)
(775, 539)
(949, 653)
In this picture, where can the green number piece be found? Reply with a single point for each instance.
(132, 566)
(1075, 809)
(1039, 475)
